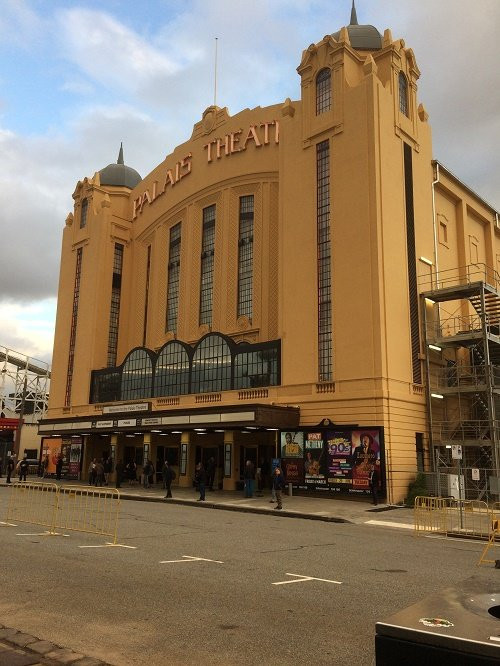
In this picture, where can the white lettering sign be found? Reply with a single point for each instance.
(136, 407)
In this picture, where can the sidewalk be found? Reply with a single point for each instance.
(312, 507)
(19, 649)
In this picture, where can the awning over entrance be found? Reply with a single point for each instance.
(138, 416)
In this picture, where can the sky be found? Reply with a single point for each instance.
(77, 78)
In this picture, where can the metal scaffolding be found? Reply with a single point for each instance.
(461, 319)
(24, 385)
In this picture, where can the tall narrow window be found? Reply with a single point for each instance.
(412, 266)
(324, 262)
(114, 310)
(74, 320)
(323, 91)
(83, 213)
(174, 271)
(403, 94)
(207, 265)
(146, 297)
(245, 257)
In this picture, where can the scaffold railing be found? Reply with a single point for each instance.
(460, 276)
(458, 377)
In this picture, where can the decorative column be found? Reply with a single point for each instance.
(186, 462)
(231, 461)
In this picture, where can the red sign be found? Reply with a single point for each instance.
(9, 424)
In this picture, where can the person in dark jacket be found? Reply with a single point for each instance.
(120, 471)
(278, 485)
(201, 480)
(23, 469)
(108, 469)
(374, 481)
(249, 476)
(168, 475)
(211, 473)
(59, 466)
(10, 468)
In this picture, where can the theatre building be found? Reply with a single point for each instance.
(270, 290)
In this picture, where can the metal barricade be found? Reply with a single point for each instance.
(494, 534)
(32, 502)
(430, 514)
(75, 508)
(468, 518)
(88, 509)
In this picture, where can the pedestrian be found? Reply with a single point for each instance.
(120, 470)
(278, 485)
(374, 481)
(108, 468)
(59, 466)
(45, 466)
(146, 474)
(131, 470)
(99, 473)
(201, 480)
(249, 477)
(23, 468)
(168, 476)
(92, 472)
(10, 468)
(211, 473)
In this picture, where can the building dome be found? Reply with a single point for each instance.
(119, 175)
(362, 37)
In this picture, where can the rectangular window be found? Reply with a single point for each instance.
(173, 276)
(324, 262)
(114, 311)
(245, 257)
(412, 266)
(207, 265)
(83, 213)
(146, 297)
(74, 320)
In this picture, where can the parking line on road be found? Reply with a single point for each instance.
(387, 523)
(303, 579)
(42, 534)
(190, 558)
(110, 545)
(8, 524)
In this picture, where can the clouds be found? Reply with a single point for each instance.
(78, 79)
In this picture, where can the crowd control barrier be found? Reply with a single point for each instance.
(494, 536)
(75, 508)
(449, 516)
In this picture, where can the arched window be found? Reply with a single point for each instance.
(83, 213)
(403, 94)
(323, 91)
(172, 370)
(211, 365)
(137, 376)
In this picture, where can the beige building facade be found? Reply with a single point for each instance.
(270, 277)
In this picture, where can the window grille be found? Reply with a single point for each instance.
(172, 370)
(324, 262)
(173, 277)
(83, 213)
(74, 321)
(245, 257)
(323, 91)
(137, 376)
(211, 365)
(403, 94)
(207, 265)
(114, 311)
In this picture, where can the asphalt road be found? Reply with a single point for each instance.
(131, 607)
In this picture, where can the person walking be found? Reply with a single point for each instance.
(10, 468)
(211, 473)
(374, 481)
(99, 473)
(23, 469)
(146, 473)
(131, 472)
(120, 471)
(108, 469)
(249, 476)
(59, 466)
(201, 480)
(168, 475)
(278, 485)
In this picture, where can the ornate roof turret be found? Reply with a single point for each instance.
(362, 37)
(119, 175)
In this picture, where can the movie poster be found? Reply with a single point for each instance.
(293, 470)
(75, 454)
(365, 454)
(292, 444)
(315, 464)
(339, 459)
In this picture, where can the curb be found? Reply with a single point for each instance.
(234, 507)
